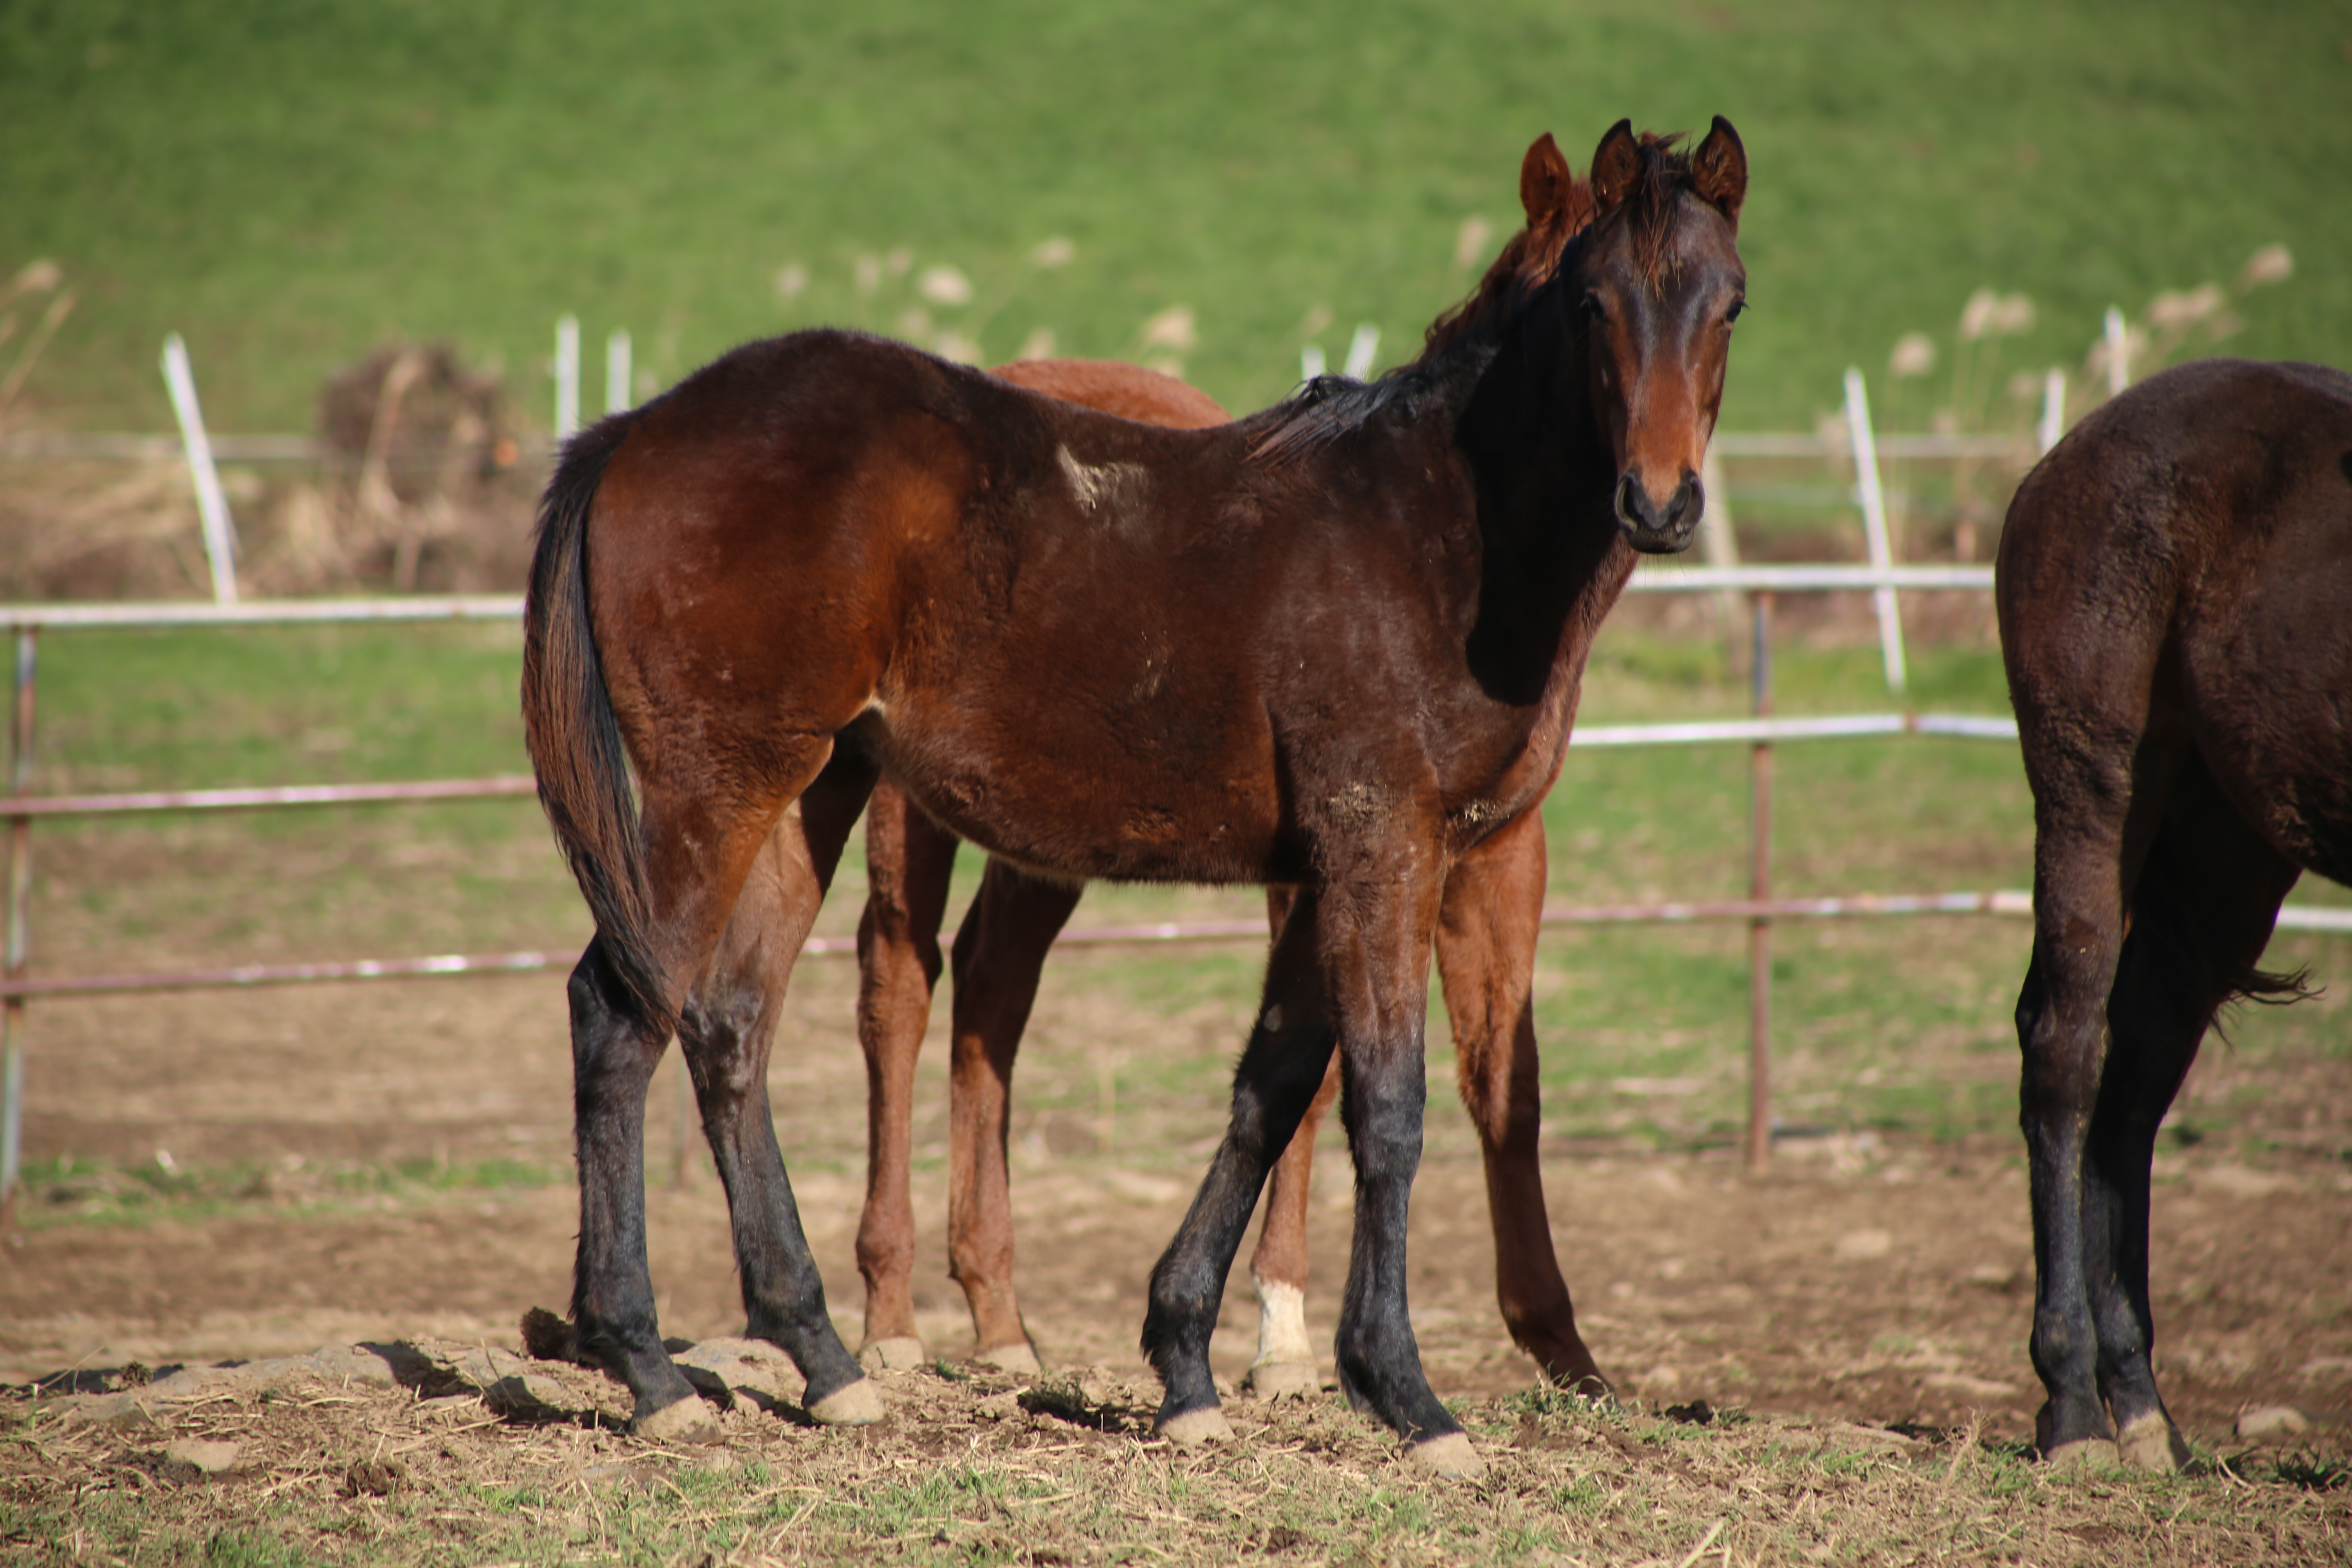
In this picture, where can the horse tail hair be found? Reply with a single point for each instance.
(574, 740)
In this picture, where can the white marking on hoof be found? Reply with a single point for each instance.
(1283, 1379)
(897, 1353)
(686, 1420)
(1195, 1427)
(2152, 1443)
(2083, 1453)
(855, 1404)
(1450, 1456)
(1017, 1358)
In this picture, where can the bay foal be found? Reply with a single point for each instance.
(1336, 645)
(2174, 590)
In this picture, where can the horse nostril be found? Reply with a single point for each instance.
(1632, 501)
(1690, 500)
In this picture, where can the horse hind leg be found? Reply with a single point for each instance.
(614, 1053)
(726, 1029)
(1000, 953)
(2206, 902)
(908, 862)
(1285, 1366)
(698, 853)
(2082, 861)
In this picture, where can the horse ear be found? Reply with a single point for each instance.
(1719, 170)
(1615, 163)
(1544, 180)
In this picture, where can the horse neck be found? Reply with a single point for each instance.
(1553, 559)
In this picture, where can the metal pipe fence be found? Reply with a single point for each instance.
(1761, 732)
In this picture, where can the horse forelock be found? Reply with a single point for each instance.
(1651, 204)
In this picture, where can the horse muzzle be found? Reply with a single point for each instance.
(1656, 529)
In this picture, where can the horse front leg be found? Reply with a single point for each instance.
(1379, 953)
(1284, 1063)
(909, 860)
(1487, 931)
(1000, 953)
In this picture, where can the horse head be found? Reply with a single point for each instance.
(1657, 282)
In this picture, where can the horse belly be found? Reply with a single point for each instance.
(1096, 794)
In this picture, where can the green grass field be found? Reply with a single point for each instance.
(288, 186)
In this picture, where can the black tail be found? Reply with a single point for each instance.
(574, 741)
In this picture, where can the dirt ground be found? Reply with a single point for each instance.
(1861, 1279)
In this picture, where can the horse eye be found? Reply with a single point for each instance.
(1738, 307)
(1593, 308)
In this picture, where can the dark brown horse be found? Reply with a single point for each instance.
(2176, 614)
(1336, 645)
(1485, 951)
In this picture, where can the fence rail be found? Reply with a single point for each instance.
(1761, 733)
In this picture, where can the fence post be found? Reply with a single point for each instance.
(1873, 524)
(212, 504)
(2053, 411)
(2118, 353)
(1760, 890)
(20, 887)
(617, 373)
(567, 377)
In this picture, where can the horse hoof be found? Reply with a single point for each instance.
(900, 1352)
(2152, 1443)
(852, 1405)
(2082, 1454)
(1017, 1358)
(687, 1420)
(1449, 1454)
(1283, 1379)
(1195, 1427)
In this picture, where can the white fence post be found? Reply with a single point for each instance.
(617, 373)
(212, 504)
(1874, 525)
(1361, 349)
(567, 377)
(2118, 353)
(1310, 363)
(2053, 410)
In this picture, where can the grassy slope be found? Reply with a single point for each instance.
(288, 189)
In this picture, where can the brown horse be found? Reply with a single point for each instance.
(2175, 587)
(1336, 645)
(1485, 951)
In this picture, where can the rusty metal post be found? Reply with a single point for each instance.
(1760, 889)
(20, 890)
